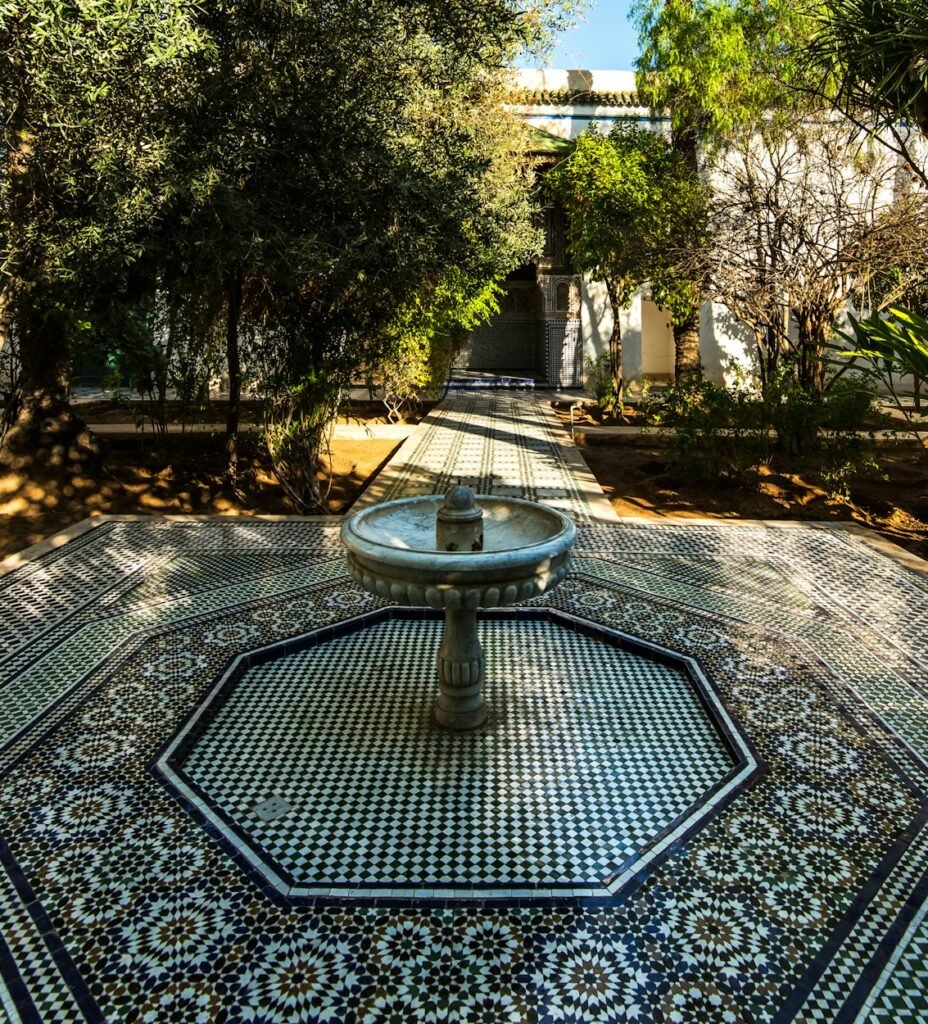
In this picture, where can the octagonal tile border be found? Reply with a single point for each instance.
(279, 885)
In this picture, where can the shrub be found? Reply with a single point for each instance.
(893, 353)
(851, 403)
(417, 369)
(298, 424)
(850, 406)
(601, 383)
(719, 432)
(724, 434)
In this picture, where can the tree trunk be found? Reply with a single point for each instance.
(39, 432)
(6, 316)
(800, 435)
(767, 343)
(43, 435)
(164, 370)
(234, 309)
(686, 362)
(615, 347)
(811, 346)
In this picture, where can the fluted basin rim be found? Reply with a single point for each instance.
(432, 561)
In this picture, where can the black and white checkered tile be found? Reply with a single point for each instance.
(591, 752)
(510, 445)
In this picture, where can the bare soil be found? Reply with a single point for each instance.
(639, 477)
(588, 414)
(179, 473)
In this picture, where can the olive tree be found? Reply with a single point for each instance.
(325, 156)
(82, 89)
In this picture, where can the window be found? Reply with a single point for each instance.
(562, 297)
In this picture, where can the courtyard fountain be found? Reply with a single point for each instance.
(457, 553)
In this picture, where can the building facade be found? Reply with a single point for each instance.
(553, 322)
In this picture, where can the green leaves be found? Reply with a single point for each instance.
(896, 345)
(85, 114)
(719, 67)
(633, 207)
(872, 56)
(894, 353)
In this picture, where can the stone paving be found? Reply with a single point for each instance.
(702, 794)
(505, 443)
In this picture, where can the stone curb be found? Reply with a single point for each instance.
(343, 431)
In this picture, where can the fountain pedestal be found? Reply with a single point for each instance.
(459, 553)
(461, 670)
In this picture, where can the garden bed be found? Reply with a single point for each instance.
(588, 414)
(174, 474)
(639, 477)
(136, 412)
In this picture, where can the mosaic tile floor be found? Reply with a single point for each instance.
(594, 751)
(781, 875)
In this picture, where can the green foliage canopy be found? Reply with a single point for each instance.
(331, 157)
(633, 206)
(83, 88)
(717, 66)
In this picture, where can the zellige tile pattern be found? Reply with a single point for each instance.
(799, 896)
(508, 444)
(590, 753)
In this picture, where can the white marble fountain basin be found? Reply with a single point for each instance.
(392, 552)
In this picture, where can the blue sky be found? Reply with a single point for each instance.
(605, 39)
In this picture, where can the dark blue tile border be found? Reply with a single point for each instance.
(49, 937)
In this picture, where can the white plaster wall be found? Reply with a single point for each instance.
(596, 328)
(647, 338)
(656, 340)
(632, 321)
(595, 320)
(724, 343)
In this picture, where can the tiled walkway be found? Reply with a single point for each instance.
(702, 794)
(506, 443)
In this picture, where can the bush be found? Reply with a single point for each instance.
(417, 369)
(793, 414)
(851, 403)
(601, 384)
(891, 349)
(719, 432)
(298, 424)
(850, 406)
(724, 434)
(799, 416)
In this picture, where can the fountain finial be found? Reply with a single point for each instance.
(459, 521)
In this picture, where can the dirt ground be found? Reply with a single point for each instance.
(638, 475)
(183, 473)
(176, 474)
